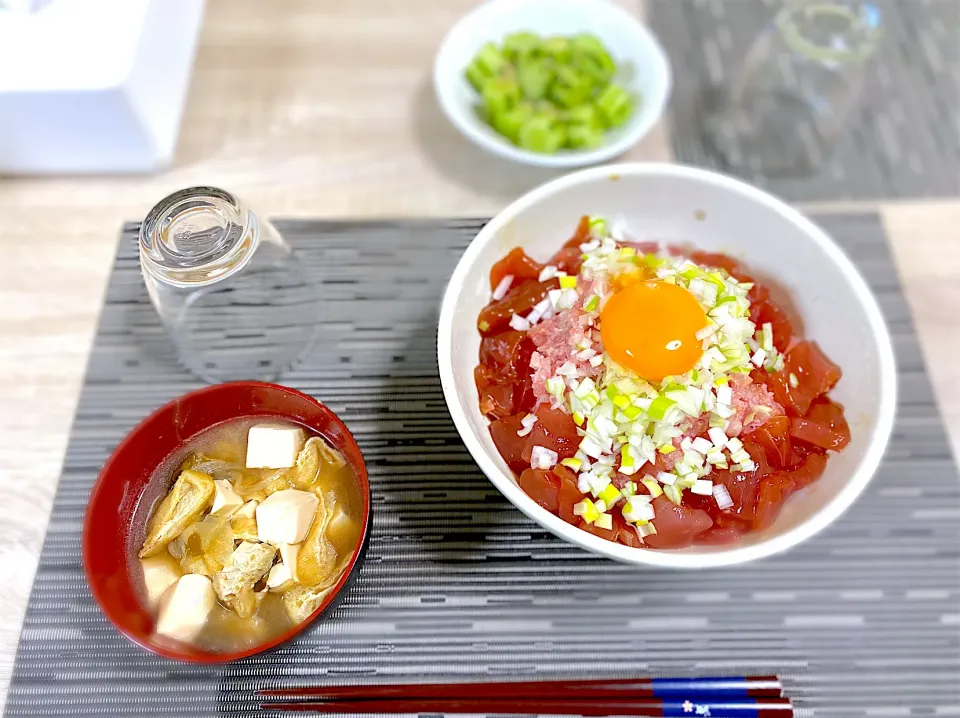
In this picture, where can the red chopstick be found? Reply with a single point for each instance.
(723, 687)
(647, 708)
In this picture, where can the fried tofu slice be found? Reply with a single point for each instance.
(188, 499)
(301, 601)
(249, 563)
(314, 456)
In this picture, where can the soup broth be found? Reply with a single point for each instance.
(262, 547)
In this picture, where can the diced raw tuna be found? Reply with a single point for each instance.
(753, 403)
(558, 340)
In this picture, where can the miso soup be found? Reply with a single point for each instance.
(260, 521)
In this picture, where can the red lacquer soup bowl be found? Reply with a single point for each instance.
(129, 482)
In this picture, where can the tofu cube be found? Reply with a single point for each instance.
(244, 522)
(285, 516)
(273, 447)
(247, 511)
(226, 501)
(186, 607)
(284, 574)
(159, 574)
(279, 577)
(288, 554)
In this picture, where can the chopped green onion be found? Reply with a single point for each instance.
(671, 492)
(574, 464)
(556, 387)
(717, 421)
(666, 478)
(766, 340)
(644, 530)
(716, 279)
(598, 225)
(652, 486)
(610, 495)
(794, 382)
(659, 406)
(638, 508)
(686, 481)
(702, 487)
(587, 510)
(585, 388)
(632, 412)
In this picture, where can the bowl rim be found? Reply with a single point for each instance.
(348, 575)
(651, 113)
(873, 453)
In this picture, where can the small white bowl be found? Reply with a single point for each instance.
(685, 205)
(632, 46)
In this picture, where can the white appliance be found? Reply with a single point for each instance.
(93, 86)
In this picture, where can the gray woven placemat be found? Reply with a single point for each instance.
(904, 141)
(861, 620)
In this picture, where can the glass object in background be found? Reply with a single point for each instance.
(799, 83)
(228, 289)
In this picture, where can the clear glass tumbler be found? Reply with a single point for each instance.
(231, 293)
(800, 81)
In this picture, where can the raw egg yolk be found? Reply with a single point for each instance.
(650, 327)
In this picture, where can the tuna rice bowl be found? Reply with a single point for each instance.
(655, 396)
